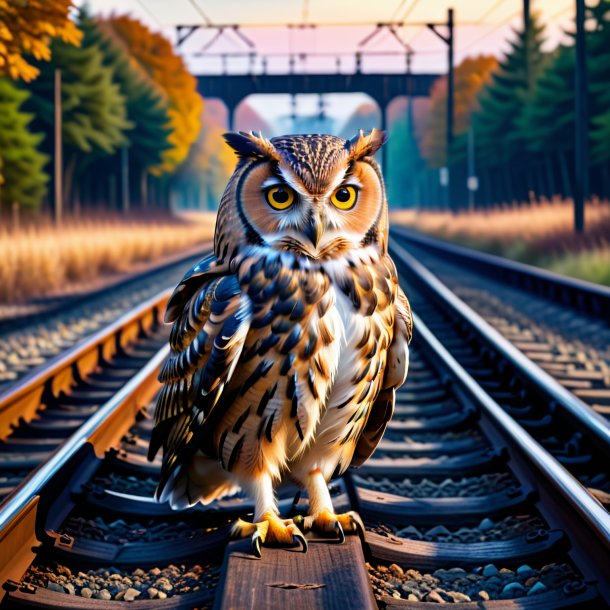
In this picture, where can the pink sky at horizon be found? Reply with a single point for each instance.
(482, 26)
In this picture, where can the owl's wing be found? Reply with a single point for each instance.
(211, 319)
(382, 409)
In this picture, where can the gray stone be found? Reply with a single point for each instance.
(525, 570)
(490, 570)
(539, 587)
(131, 594)
(513, 589)
(396, 570)
(434, 596)
(439, 530)
(458, 597)
(152, 592)
(53, 586)
(103, 594)
(486, 524)
(410, 531)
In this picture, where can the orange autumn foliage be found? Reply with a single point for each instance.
(154, 55)
(28, 27)
(470, 76)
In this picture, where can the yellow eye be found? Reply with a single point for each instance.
(279, 197)
(344, 197)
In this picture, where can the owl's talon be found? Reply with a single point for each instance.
(327, 522)
(340, 532)
(256, 544)
(356, 523)
(270, 530)
(299, 540)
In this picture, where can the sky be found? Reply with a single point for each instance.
(482, 26)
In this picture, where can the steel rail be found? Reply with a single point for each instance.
(24, 398)
(55, 304)
(594, 423)
(40, 477)
(573, 492)
(580, 291)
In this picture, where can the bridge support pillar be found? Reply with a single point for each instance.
(231, 109)
(384, 149)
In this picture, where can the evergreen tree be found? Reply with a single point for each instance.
(402, 175)
(94, 115)
(547, 120)
(154, 54)
(21, 163)
(598, 52)
(499, 140)
(146, 106)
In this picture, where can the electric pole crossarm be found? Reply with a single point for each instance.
(184, 32)
(433, 28)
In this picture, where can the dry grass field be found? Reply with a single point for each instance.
(40, 259)
(540, 234)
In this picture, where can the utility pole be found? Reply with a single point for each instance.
(449, 41)
(581, 109)
(472, 183)
(58, 149)
(125, 179)
(526, 37)
(450, 87)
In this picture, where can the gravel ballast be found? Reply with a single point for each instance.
(486, 531)
(471, 487)
(456, 585)
(119, 585)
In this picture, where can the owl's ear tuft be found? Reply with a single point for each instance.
(365, 145)
(251, 145)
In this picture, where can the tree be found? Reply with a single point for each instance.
(500, 142)
(598, 50)
(21, 163)
(547, 120)
(94, 118)
(203, 176)
(470, 76)
(27, 27)
(146, 107)
(155, 55)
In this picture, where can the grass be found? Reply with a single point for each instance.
(539, 234)
(41, 260)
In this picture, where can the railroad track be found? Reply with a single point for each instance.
(29, 341)
(463, 501)
(43, 409)
(560, 323)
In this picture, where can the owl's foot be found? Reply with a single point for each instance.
(327, 522)
(271, 530)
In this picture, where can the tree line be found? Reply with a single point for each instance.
(518, 114)
(131, 112)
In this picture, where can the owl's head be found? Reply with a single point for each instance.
(316, 195)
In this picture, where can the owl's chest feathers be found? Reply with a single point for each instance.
(317, 339)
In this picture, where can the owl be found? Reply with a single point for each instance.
(288, 342)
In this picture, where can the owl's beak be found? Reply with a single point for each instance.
(313, 230)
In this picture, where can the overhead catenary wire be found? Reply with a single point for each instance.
(201, 12)
(490, 10)
(490, 32)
